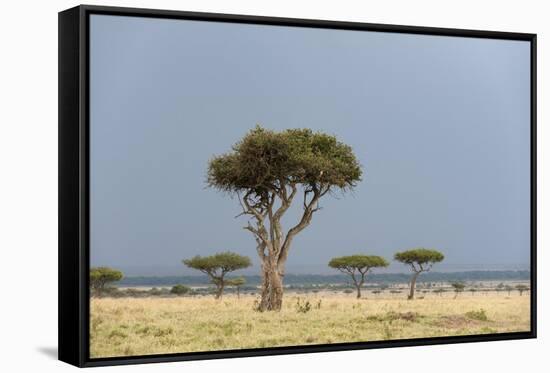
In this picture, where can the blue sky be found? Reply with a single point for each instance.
(440, 125)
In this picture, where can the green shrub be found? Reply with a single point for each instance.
(180, 289)
(480, 315)
(392, 316)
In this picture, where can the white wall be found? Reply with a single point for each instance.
(28, 183)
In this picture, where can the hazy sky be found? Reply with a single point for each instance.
(440, 125)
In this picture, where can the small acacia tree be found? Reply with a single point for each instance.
(265, 171)
(101, 276)
(458, 288)
(237, 282)
(217, 266)
(357, 266)
(521, 288)
(420, 260)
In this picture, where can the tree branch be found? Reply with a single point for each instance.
(302, 224)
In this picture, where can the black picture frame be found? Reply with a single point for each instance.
(74, 202)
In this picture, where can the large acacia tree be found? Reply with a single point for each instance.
(420, 260)
(267, 171)
(357, 266)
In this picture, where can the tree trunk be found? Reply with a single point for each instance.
(273, 245)
(219, 291)
(413, 285)
(272, 289)
(358, 291)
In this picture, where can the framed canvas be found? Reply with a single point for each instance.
(235, 186)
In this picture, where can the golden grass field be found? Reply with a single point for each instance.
(134, 326)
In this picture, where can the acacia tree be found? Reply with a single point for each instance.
(357, 266)
(217, 266)
(420, 260)
(237, 282)
(458, 288)
(521, 288)
(266, 170)
(101, 276)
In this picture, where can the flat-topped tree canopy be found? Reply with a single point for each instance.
(265, 160)
(221, 262)
(419, 256)
(237, 281)
(358, 262)
(101, 276)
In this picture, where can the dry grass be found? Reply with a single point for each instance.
(127, 326)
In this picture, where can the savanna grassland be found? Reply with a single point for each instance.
(142, 326)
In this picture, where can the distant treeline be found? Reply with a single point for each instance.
(381, 278)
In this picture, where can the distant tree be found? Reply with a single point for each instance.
(521, 288)
(101, 276)
(217, 266)
(237, 282)
(180, 289)
(420, 260)
(509, 289)
(439, 291)
(357, 266)
(472, 290)
(458, 288)
(266, 170)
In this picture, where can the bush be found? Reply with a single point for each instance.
(180, 289)
(392, 316)
(136, 293)
(303, 307)
(480, 315)
(157, 291)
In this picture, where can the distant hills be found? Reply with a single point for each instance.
(304, 279)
